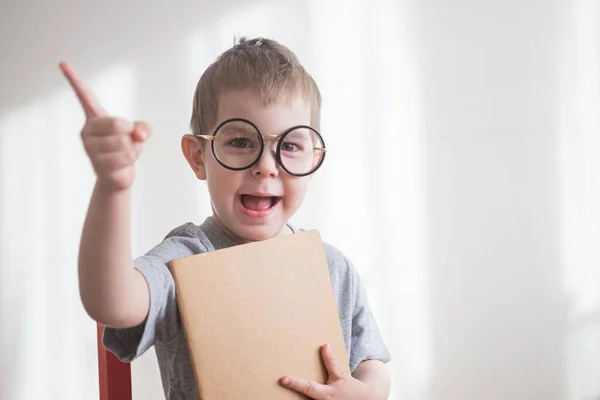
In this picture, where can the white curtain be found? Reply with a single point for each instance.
(463, 179)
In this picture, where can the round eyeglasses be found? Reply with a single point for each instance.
(238, 144)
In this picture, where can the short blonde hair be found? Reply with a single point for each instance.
(260, 65)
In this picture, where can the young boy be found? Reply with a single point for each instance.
(255, 141)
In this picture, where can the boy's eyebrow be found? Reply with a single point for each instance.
(296, 135)
(242, 127)
(238, 129)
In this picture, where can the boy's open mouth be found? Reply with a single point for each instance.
(259, 203)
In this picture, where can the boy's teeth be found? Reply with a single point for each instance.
(257, 203)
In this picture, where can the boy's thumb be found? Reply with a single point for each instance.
(140, 133)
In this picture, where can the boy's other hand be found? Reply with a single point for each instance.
(340, 385)
(112, 144)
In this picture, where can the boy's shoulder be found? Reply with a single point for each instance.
(339, 263)
(182, 241)
(187, 229)
(207, 236)
(336, 256)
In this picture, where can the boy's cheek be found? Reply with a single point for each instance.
(296, 193)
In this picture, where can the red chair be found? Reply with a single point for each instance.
(115, 376)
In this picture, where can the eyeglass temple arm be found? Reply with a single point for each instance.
(207, 137)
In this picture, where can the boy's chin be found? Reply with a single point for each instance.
(254, 233)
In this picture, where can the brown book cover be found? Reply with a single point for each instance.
(256, 312)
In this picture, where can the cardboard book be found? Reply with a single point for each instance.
(256, 312)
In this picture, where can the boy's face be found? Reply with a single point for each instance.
(256, 203)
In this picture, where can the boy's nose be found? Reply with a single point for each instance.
(267, 164)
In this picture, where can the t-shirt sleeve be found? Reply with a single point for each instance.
(163, 321)
(367, 342)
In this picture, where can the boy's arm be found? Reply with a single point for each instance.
(112, 291)
(374, 374)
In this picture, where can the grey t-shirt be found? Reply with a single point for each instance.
(163, 330)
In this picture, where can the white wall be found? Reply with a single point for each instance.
(463, 179)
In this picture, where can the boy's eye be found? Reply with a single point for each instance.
(240, 143)
(289, 146)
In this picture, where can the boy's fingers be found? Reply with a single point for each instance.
(141, 131)
(116, 160)
(108, 144)
(106, 126)
(88, 101)
(313, 390)
(330, 362)
(137, 147)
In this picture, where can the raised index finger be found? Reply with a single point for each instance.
(88, 101)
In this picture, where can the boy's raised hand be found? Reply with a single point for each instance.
(112, 144)
(340, 385)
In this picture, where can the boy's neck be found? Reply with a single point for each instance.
(285, 230)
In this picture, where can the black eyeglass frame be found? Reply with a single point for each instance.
(280, 139)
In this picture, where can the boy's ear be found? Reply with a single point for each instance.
(193, 152)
